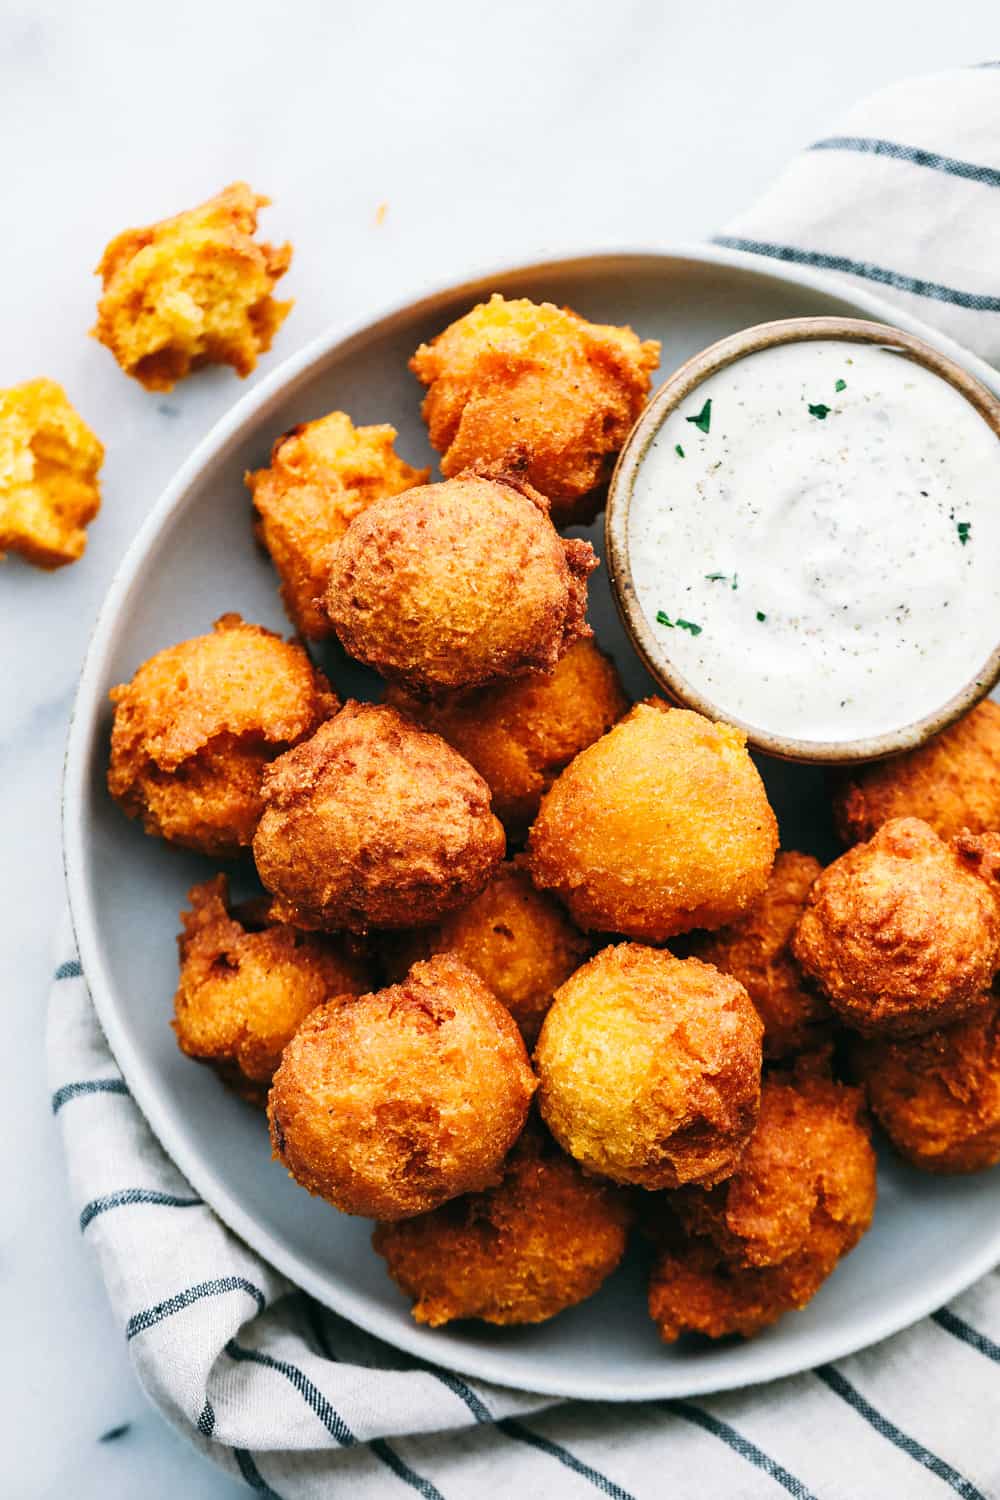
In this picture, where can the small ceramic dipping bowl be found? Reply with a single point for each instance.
(955, 671)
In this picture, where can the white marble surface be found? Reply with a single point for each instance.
(493, 134)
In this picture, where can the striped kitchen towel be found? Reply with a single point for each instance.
(906, 194)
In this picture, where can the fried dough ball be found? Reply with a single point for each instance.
(755, 950)
(520, 379)
(246, 985)
(661, 826)
(937, 1096)
(519, 735)
(455, 585)
(374, 823)
(952, 782)
(519, 942)
(391, 1104)
(734, 1258)
(322, 474)
(196, 727)
(649, 1068)
(902, 934)
(49, 462)
(192, 290)
(544, 1239)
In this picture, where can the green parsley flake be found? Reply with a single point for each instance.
(964, 529)
(703, 420)
(678, 450)
(663, 619)
(840, 386)
(761, 615)
(819, 410)
(733, 582)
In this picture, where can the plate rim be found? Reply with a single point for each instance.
(483, 1363)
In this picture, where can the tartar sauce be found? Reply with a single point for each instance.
(814, 534)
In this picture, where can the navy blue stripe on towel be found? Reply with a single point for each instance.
(90, 1086)
(409, 1476)
(741, 1445)
(313, 1397)
(71, 969)
(129, 1196)
(958, 1327)
(252, 1474)
(914, 156)
(522, 1434)
(140, 1321)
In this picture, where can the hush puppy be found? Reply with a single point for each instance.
(544, 1239)
(649, 1068)
(49, 462)
(734, 1258)
(755, 950)
(192, 290)
(519, 942)
(246, 985)
(520, 379)
(902, 934)
(661, 826)
(374, 823)
(196, 727)
(520, 734)
(322, 474)
(455, 585)
(952, 783)
(937, 1096)
(391, 1104)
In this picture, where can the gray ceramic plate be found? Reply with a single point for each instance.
(195, 558)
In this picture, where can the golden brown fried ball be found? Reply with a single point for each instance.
(661, 826)
(455, 585)
(952, 783)
(520, 734)
(192, 290)
(391, 1104)
(246, 985)
(544, 1239)
(937, 1096)
(755, 950)
(519, 942)
(520, 379)
(734, 1258)
(649, 1068)
(198, 724)
(903, 933)
(322, 474)
(49, 462)
(374, 823)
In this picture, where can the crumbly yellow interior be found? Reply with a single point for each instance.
(49, 462)
(192, 290)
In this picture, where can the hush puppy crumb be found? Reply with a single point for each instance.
(649, 1068)
(49, 463)
(192, 290)
(322, 474)
(525, 380)
(544, 1239)
(391, 1104)
(197, 726)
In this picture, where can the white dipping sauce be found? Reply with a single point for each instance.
(831, 572)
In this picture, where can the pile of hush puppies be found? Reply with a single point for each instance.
(527, 970)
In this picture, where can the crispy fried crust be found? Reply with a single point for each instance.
(374, 823)
(755, 950)
(519, 941)
(245, 988)
(322, 474)
(903, 933)
(937, 1096)
(518, 380)
(458, 584)
(661, 826)
(391, 1104)
(734, 1258)
(49, 463)
(196, 727)
(544, 1239)
(952, 783)
(520, 734)
(192, 290)
(649, 1068)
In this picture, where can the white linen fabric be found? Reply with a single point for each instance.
(905, 194)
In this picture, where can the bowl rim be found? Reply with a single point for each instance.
(677, 388)
(486, 1363)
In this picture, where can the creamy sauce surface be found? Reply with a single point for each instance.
(823, 539)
